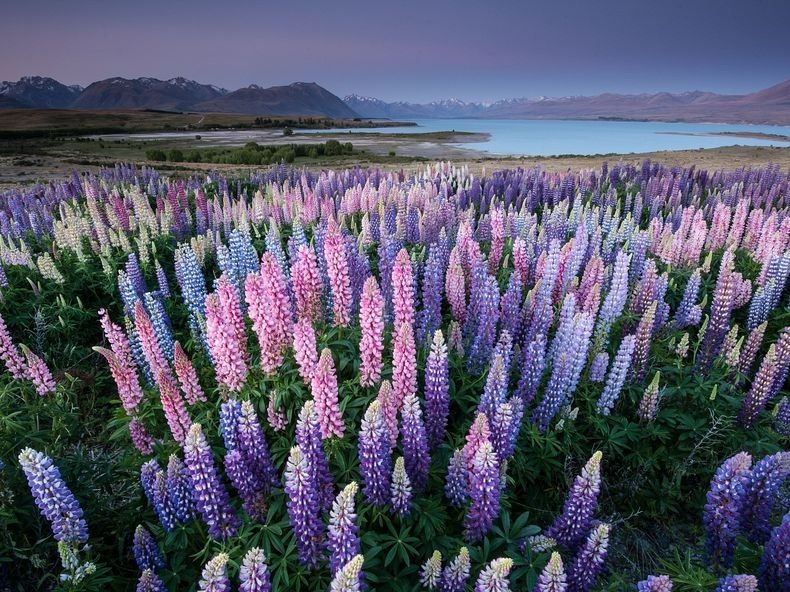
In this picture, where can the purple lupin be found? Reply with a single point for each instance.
(722, 515)
(572, 526)
(484, 493)
(375, 462)
(414, 442)
(437, 397)
(304, 508)
(589, 561)
(343, 538)
(209, 494)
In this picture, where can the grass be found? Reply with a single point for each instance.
(48, 123)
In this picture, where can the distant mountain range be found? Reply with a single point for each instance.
(176, 94)
(768, 106)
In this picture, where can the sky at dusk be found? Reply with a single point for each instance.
(405, 49)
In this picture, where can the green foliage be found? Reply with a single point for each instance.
(655, 474)
(156, 155)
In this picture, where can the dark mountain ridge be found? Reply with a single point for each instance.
(176, 94)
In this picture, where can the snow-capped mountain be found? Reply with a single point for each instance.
(39, 91)
(768, 106)
(175, 94)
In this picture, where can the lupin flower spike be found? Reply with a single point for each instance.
(552, 578)
(343, 539)
(254, 572)
(349, 578)
(572, 526)
(431, 571)
(400, 494)
(215, 577)
(494, 578)
(53, 498)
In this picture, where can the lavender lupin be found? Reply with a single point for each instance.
(53, 498)
(253, 446)
(349, 578)
(494, 577)
(455, 487)
(533, 361)
(179, 490)
(343, 538)
(598, 367)
(400, 491)
(456, 574)
(686, 313)
(655, 584)
(617, 375)
(161, 280)
(250, 488)
(495, 390)
(782, 419)
(150, 479)
(254, 572)
(552, 578)
(431, 571)
(215, 576)
(737, 583)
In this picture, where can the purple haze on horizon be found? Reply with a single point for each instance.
(411, 50)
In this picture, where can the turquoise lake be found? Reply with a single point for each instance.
(521, 137)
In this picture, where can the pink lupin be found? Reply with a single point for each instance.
(9, 353)
(371, 321)
(337, 270)
(324, 388)
(404, 364)
(141, 437)
(174, 407)
(479, 432)
(403, 289)
(389, 410)
(129, 391)
(455, 286)
(275, 414)
(305, 350)
(229, 361)
(148, 341)
(520, 261)
(231, 311)
(270, 311)
(38, 373)
(121, 362)
(187, 376)
(497, 239)
(306, 284)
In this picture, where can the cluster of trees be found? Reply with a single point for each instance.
(253, 153)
